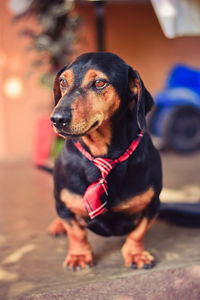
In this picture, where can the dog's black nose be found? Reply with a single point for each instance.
(61, 119)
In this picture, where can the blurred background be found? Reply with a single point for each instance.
(160, 39)
(38, 37)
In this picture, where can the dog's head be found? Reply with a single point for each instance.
(92, 90)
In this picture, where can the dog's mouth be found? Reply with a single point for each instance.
(64, 133)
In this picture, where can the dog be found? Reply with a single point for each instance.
(107, 176)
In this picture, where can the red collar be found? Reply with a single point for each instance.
(96, 195)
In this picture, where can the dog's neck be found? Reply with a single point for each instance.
(112, 138)
(99, 140)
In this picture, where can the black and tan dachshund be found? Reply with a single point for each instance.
(108, 175)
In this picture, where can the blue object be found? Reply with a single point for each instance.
(181, 93)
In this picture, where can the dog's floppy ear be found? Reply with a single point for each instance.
(144, 99)
(56, 87)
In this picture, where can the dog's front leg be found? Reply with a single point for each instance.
(79, 252)
(133, 250)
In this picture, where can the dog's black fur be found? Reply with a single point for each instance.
(134, 176)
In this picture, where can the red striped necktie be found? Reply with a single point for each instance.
(95, 198)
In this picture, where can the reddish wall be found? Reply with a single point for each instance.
(19, 115)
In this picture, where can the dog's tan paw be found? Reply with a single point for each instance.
(142, 260)
(56, 228)
(137, 258)
(77, 262)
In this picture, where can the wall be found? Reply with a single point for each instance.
(134, 33)
(18, 115)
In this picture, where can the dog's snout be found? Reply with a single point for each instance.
(61, 119)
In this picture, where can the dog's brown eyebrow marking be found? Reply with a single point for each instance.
(93, 74)
(69, 76)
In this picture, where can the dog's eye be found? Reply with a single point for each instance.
(99, 84)
(63, 83)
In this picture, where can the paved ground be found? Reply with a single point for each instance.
(30, 260)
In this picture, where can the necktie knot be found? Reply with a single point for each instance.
(104, 165)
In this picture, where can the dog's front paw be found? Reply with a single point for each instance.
(77, 260)
(142, 260)
(137, 258)
(56, 228)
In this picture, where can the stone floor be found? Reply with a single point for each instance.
(30, 260)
